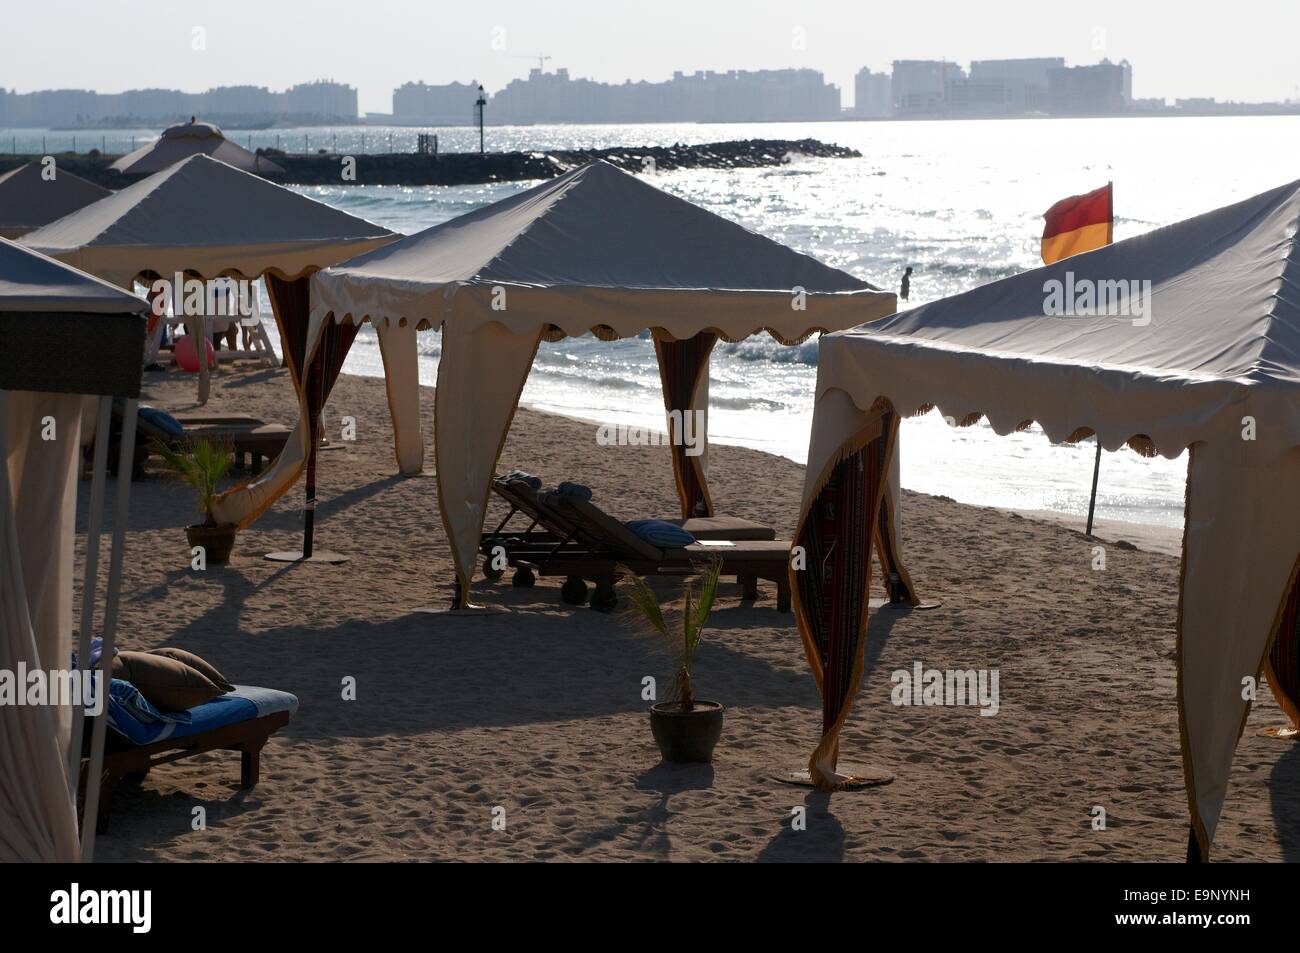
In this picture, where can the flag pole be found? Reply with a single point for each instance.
(1092, 502)
(1096, 465)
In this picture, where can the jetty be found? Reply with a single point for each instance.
(472, 168)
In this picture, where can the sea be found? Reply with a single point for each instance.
(961, 202)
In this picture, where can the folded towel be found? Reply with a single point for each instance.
(660, 533)
(574, 491)
(96, 650)
(519, 476)
(125, 699)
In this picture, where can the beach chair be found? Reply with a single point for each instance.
(545, 525)
(252, 442)
(576, 539)
(242, 720)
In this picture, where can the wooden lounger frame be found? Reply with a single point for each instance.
(125, 759)
(253, 443)
(570, 544)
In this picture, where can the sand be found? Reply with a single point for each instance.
(537, 710)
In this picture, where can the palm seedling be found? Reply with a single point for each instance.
(201, 464)
(680, 631)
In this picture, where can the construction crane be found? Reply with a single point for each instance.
(541, 60)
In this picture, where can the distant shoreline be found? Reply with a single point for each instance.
(1246, 110)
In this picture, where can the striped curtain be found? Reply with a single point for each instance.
(833, 590)
(1283, 664)
(291, 304)
(897, 579)
(682, 364)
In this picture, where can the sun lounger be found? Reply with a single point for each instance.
(241, 721)
(574, 538)
(253, 443)
(545, 525)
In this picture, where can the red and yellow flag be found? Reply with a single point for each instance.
(1079, 224)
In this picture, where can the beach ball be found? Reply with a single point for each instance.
(186, 357)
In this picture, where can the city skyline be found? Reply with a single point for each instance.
(192, 46)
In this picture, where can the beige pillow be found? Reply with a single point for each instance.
(165, 683)
(204, 668)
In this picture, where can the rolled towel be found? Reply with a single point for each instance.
(519, 476)
(660, 533)
(574, 491)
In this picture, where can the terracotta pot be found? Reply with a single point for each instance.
(686, 737)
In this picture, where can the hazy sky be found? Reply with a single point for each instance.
(1244, 50)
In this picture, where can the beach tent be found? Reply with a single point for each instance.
(1187, 337)
(47, 314)
(204, 219)
(34, 194)
(595, 250)
(192, 138)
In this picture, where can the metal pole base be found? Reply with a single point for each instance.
(902, 606)
(856, 778)
(1280, 732)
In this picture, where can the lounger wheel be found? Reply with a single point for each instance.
(491, 571)
(524, 578)
(574, 591)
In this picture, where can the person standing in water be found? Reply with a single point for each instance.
(906, 289)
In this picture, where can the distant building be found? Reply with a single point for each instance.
(921, 87)
(1100, 90)
(449, 104)
(230, 102)
(323, 99)
(871, 95)
(1024, 83)
(141, 105)
(702, 96)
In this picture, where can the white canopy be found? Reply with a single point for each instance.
(31, 197)
(205, 217)
(1205, 354)
(44, 310)
(594, 250)
(186, 139)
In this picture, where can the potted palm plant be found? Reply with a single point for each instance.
(685, 728)
(202, 464)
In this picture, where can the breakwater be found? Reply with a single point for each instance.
(470, 168)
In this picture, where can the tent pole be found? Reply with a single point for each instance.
(309, 514)
(1092, 501)
(110, 627)
(90, 586)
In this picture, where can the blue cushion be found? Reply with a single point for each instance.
(660, 533)
(163, 421)
(244, 703)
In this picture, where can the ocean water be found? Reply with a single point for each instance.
(961, 202)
